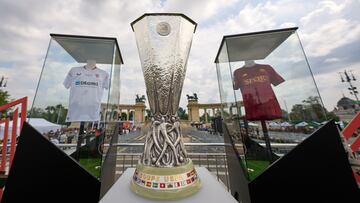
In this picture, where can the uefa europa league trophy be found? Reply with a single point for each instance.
(164, 170)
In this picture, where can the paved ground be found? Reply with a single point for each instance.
(190, 135)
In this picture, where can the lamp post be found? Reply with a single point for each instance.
(349, 78)
(3, 82)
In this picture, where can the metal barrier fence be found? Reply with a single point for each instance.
(215, 162)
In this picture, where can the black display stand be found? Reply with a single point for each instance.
(41, 172)
(108, 169)
(267, 141)
(79, 141)
(237, 178)
(317, 169)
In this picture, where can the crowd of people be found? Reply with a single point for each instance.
(63, 136)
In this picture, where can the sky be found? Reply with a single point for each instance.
(329, 31)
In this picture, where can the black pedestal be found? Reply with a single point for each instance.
(43, 173)
(317, 169)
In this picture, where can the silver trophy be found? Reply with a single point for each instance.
(164, 42)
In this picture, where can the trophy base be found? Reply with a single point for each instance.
(165, 183)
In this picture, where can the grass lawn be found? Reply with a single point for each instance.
(256, 167)
(92, 165)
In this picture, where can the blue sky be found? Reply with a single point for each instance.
(329, 30)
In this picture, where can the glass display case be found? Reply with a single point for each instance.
(77, 96)
(270, 101)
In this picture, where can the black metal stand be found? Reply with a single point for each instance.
(267, 140)
(79, 141)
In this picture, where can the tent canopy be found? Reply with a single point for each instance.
(274, 124)
(253, 124)
(285, 124)
(302, 124)
(40, 124)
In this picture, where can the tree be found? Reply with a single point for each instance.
(311, 110)
(285, 115)
(313, 105)
(297, 113)
(182, 114)
(59, 111)
(331, 115)
(4, 99)
(123, 116)
(50, 113)
(55, 114)
(36, 112)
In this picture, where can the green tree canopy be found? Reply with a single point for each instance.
(4, 97)
(311, 109)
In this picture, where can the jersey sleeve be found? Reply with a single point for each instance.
(69, 79)
(236, 79)
(275, 78)
(106, 81)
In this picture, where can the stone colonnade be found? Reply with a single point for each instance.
(194, 107)
(114, 113)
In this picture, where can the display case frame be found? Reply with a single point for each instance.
(253, 132)
(51, 100)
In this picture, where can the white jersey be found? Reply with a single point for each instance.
(86, 90)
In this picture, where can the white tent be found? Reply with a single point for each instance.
(251, 124)
(40, 124)
(285, 124)
(302, 124)
(274, 124)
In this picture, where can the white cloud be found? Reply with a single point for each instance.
(332, 60)
(287, 25)
(332, 88)
(323, 9)
(199, 10)
(330, 36)
(324, 27)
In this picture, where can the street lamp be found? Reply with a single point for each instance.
(3, 81)
(348, 79)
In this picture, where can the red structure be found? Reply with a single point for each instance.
(17, 106)
(349, 131)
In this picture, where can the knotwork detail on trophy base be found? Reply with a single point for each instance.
(164, 166)
(163, 144)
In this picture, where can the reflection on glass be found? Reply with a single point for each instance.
(79, 81)
(231, 112)
(86, 84)
(254, 81)
(267, 76)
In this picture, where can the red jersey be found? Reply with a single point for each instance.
(258, 96)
